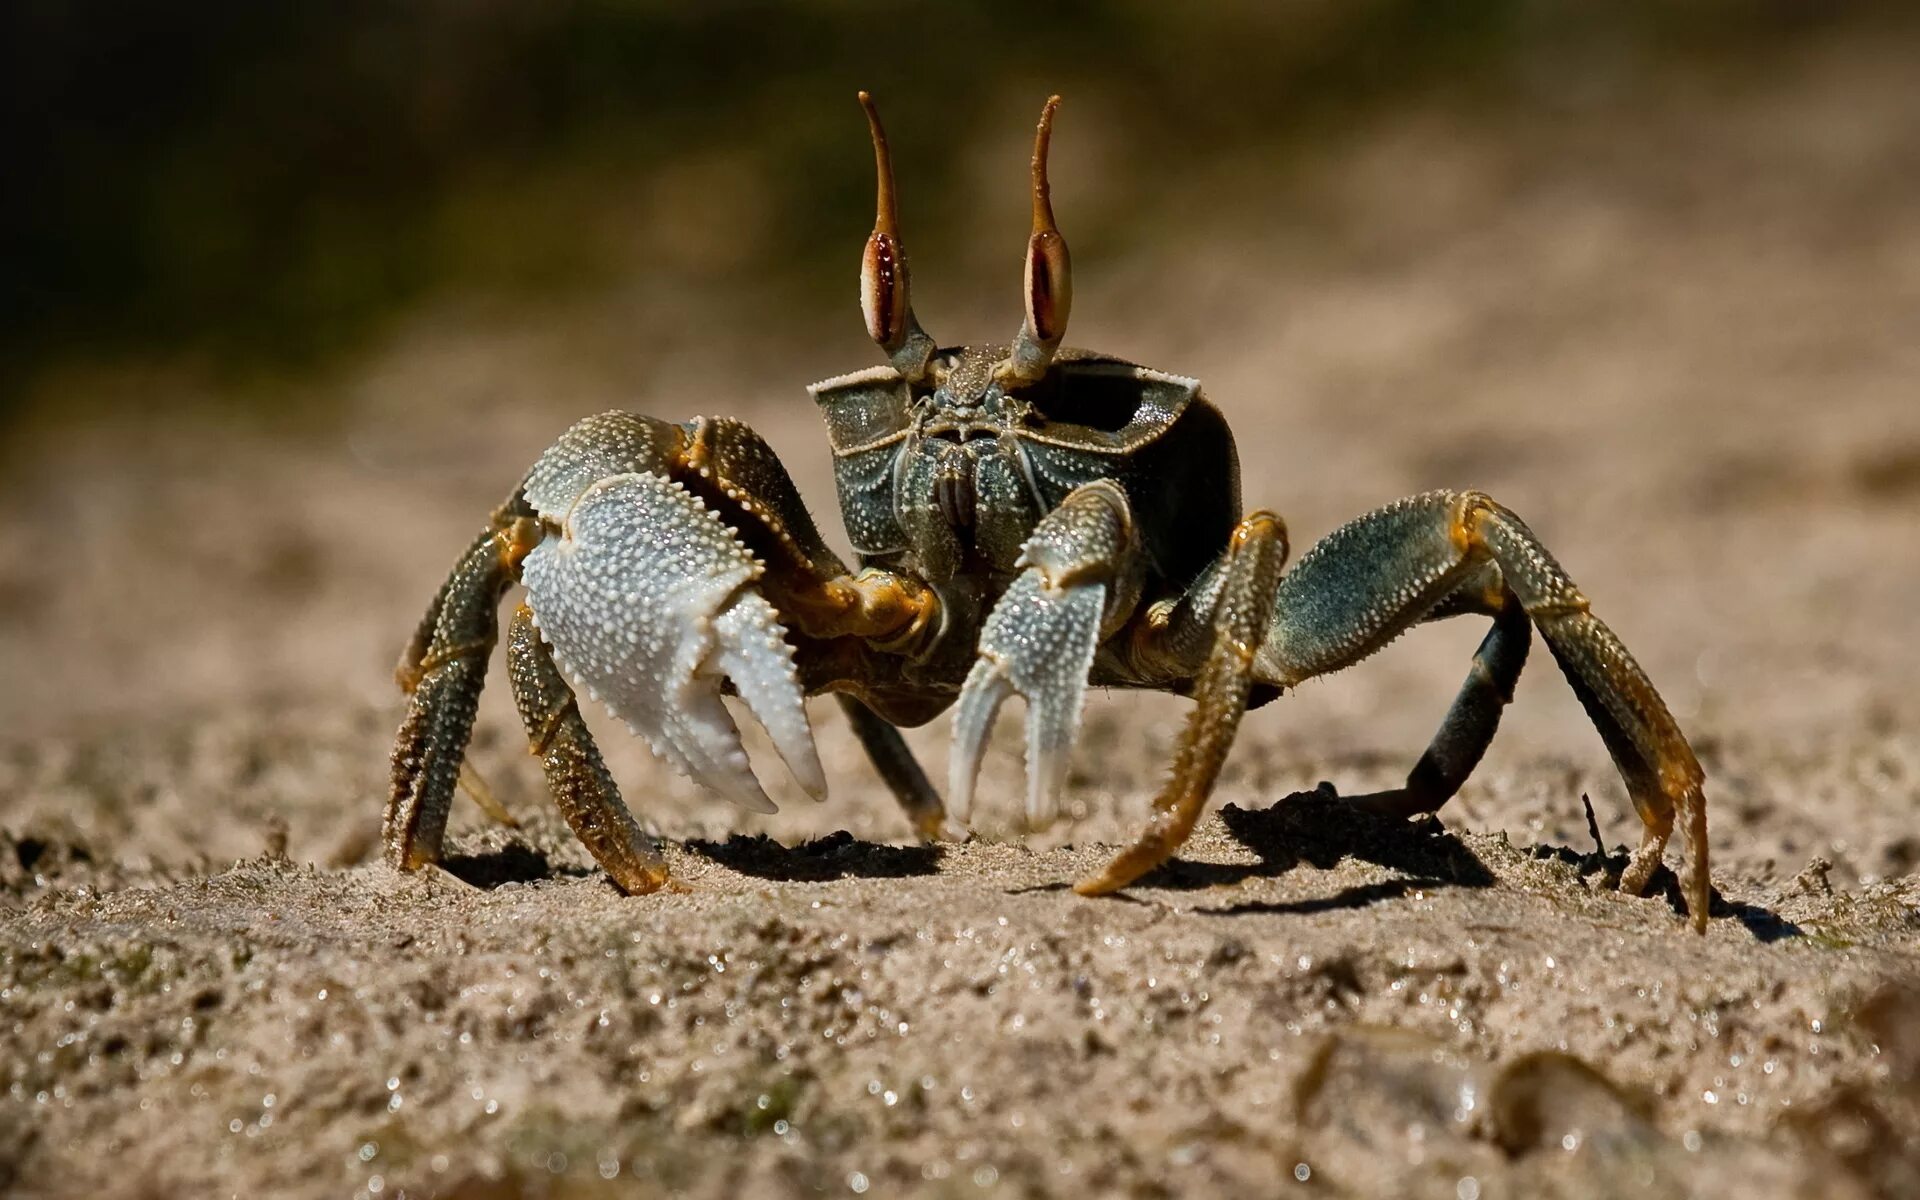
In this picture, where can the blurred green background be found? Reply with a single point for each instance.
(263, 186)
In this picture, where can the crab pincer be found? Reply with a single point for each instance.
(1039, 643)
(648, 602)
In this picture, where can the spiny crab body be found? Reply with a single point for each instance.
(1028, 519)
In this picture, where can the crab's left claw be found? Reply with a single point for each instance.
(1040, 640)
(649, 602)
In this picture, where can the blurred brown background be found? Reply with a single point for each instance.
(292, 294)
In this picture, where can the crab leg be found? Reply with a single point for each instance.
(576, 775)
(413, 660)
(1369, 581)
(1471, 721)
(1241, 610)
(446, 669)
(894, 760)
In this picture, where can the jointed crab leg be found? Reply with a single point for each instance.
(446, 669)
(576, 775)
(413, 659)
(412, 666)
(1367, 582)
(1470, 723)
(897, 766)
(1240, 615)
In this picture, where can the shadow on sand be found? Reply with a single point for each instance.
(838, 855)
(515, 862)
(1763, 923)
(1322, 830)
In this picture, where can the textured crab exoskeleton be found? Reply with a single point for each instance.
(647, 598)
(1029, 520)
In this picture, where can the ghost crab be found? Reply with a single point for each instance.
(1029, 519)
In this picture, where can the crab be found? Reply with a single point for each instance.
(1028, 519)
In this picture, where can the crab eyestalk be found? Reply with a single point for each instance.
(884, 292)
(1049, 275)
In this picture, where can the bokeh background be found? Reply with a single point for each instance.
(289, 295)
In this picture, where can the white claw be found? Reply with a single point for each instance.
(702, 740)
(985, 691)
(756, 657)
(1040, 643)
(645, 598)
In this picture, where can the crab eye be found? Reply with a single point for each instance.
(883, 290)
(1049, 286)
(884, 300)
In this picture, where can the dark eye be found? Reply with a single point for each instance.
(1107, 402)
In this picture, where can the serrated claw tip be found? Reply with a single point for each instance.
(986, 689)
(1038, 642)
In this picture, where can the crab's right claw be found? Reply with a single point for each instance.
(649, 603)
(1039, 641)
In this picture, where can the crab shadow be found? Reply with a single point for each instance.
(838, 855)
(1323, 830)
(514, 863)
(1763, 923)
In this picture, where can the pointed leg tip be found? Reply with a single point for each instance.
(1116, 875)
(645, 882)
(1633, 880)
(406, 855)
(1700, 904)
(438, 872)
(1097, 885)
(962, 776)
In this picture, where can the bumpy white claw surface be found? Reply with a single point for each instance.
(646, 598)
(1038, 643)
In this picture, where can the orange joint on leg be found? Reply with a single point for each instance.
(516, 540)
(1266, 524)
(446, 654)
(886, 609)
(550, 727)
(1464, 528)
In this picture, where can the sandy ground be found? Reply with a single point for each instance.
(1679, 333)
